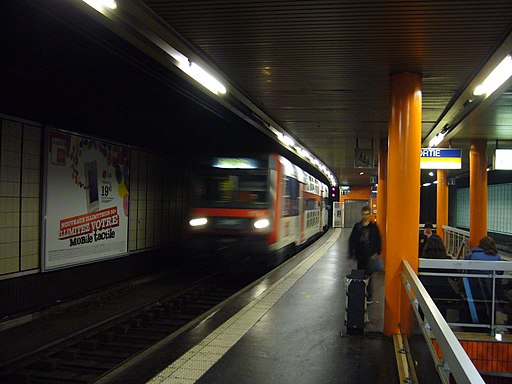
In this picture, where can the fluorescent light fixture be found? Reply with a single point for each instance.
(287, 140)
(101, 5)
(436, 140)
(427, 184)
(302, 152)
(198, 221)
(196, 72)
(496, 78)
(203, 77)
(503, 159)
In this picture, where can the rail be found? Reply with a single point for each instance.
(482, 290)
(455, 360)
(456, 242)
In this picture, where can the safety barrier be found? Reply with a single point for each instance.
(456, 242)
(480, 285)
(455, 360)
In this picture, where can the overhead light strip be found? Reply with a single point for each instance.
(496, 78)
(303, 153)
(101, 5)
(209, 81)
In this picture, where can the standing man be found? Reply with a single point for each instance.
(365, 243)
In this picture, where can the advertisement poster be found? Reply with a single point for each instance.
(87, 195)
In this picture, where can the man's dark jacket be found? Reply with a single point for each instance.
(362, 252)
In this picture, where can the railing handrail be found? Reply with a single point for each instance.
(454, 354)
(468, 265)
(456, 230)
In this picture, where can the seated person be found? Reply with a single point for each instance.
(434, 248)
(481, 288)
(486, 251)
(440, 288)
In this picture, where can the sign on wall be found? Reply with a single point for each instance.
(363, 158)
(86, 200)
(440, 158)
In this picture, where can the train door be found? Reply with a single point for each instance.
(302, 216)
(275, 211)
(352, 211)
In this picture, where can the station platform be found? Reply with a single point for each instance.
(289, 329)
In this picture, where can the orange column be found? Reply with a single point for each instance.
(477, 191)
(403, 197)
(381, 193)
(442, 201)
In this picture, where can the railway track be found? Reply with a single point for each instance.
(93, 353)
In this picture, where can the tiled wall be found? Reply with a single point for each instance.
(157, 190)
(499, 205)
(157, 205)
(19, 196)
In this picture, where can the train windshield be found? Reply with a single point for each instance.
(233, 189)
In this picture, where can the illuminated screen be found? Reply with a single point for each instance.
(503, 159)
(234, 163)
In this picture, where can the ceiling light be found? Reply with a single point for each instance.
(101, 5)
(196, 72)
(431, 173)
(436, 139)
(497, 77)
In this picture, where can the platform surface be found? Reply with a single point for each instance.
(296, 333)
(287, 328)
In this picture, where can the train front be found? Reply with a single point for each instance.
(230, 219)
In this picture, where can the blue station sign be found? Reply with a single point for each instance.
(440, 158)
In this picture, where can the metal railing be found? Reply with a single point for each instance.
(455, 360)
(456, 242)
(488, 275)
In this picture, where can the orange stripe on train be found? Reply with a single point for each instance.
(229, 212)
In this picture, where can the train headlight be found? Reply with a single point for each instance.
(197, 222)
(261, 223)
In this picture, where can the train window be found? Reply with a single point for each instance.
(311, 204)
(232, 190)
(291, 197)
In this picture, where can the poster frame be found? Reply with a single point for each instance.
(45, 265)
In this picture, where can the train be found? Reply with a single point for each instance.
(243, 207)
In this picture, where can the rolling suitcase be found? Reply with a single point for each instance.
(355, 305)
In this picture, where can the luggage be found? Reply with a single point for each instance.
(355, 305)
